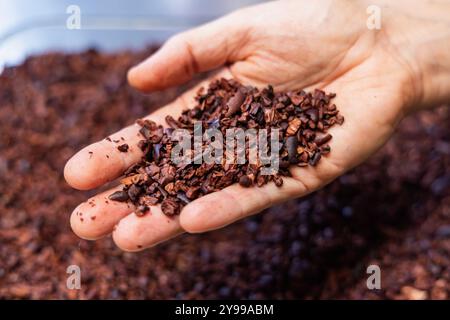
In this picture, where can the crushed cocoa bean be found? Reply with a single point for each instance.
(123, 147)
(302, 119)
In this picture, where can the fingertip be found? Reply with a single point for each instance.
(135, 79)
(124, 236)
(96, 217)
(149, 75)
(131, 76)
(77, 174)
(125, 240)
(191, 219)
(100, 162)
(170, 65)
(135, 233)
(211, 212)
(81, 224)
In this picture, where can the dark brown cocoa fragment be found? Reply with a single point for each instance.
(167, 175)
(182, 197)
(152, 132)
(261, 180)
(170, 207)
(120, 196)
(133, 192)
(156, 135)
(193, 192)
(174, 124)
(235, 103)
(152, 169)
(315, 159)
(203, 169)
(339, 119)
(149, 200)
(321, 138)
(123, 147)
(162, 191)
(143, 145)
(291, 146)
(278, 180)
(145, 132)
(297, 99)
(325, 149)
(141, 210)
(245, 181)
(313, 114)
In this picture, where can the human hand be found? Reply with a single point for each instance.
(291, 45)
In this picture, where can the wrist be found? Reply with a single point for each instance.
(422, 38)
(433, 59)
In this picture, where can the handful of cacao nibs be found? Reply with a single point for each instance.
(302, 119)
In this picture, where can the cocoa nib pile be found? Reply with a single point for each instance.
(302, 119)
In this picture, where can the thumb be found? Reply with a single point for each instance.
(185, 54)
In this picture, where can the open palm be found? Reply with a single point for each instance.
(287, 44)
